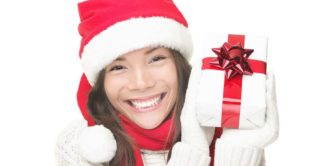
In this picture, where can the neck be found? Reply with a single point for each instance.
(159, 138)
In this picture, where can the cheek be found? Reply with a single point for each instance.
(171, 76)
(112, 88)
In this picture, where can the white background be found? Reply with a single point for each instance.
(40, 69)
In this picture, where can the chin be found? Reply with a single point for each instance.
(149, 125)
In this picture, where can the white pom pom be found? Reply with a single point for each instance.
(97, 144)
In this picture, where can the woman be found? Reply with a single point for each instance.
(134, 55)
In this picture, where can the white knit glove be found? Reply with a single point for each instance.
(260, 137)
(195, 140)
(191, 131)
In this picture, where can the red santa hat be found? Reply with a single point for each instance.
(111, 28)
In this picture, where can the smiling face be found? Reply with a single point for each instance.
(143, 85)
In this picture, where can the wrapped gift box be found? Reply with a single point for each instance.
(232, 96)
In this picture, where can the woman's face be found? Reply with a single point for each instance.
(143, 85)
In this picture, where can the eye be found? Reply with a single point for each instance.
(157, 58)
(116, 68)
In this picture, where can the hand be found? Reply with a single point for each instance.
(97, 144)
(260, 137)
(191, 131)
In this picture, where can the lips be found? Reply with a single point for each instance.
(146, 104)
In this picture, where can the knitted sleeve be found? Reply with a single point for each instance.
(66, 148)
(229, 154)
(186, 155)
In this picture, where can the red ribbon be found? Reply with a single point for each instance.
(233, 87)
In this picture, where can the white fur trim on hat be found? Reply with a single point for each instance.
(132, 34)
(97, 144)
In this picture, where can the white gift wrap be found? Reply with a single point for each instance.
(209, 98)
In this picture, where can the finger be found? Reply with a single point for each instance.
(271, 86)
(191, 92)
(272, 113)
(272, 120)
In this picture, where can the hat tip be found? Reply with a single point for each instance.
(97, 144)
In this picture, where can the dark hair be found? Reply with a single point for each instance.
(104, 113)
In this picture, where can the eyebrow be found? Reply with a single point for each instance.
(150, 50)
(145, 53)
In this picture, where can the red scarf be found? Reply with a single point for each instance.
(150, 139)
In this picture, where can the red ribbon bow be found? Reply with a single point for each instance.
(233, 59)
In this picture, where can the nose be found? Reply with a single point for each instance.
(141, 79)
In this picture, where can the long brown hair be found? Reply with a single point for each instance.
(104, 113)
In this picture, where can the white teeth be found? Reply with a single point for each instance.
(148, 103)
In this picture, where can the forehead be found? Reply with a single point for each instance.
(142, 52)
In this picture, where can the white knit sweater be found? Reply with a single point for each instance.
(67, 153)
